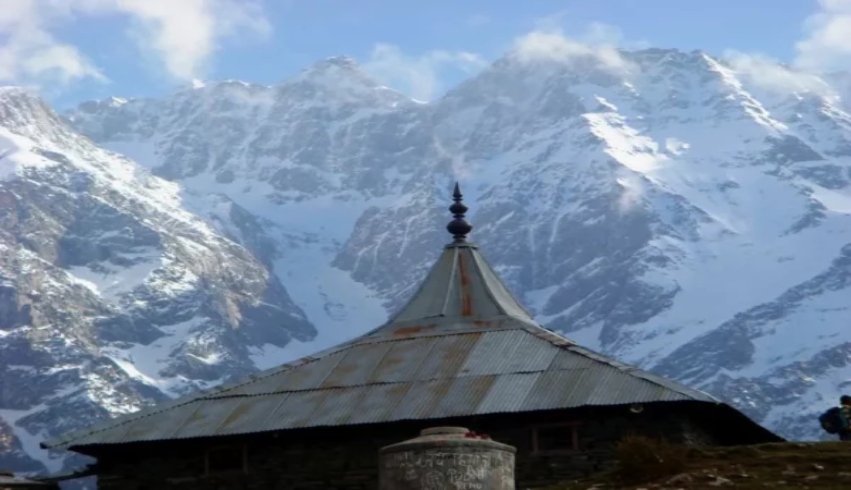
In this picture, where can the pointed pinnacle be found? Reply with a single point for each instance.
(458, 227)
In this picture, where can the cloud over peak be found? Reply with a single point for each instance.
(598, 44)
(419, 76)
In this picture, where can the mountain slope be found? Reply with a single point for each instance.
(657, 205)
(112, 295)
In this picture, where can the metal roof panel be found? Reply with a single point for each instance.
(404, 360)
(463, 396)
(206, 418)
(357, 365)
(381, 403)
(251, 414)
(447, 356)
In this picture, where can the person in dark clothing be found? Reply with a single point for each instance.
(845, 418)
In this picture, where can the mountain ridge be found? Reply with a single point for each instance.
(666, 207)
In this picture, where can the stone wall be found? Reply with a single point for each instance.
(346, 458)
(597, 438)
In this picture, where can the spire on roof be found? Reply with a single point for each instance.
(458, 227)
(461, 291)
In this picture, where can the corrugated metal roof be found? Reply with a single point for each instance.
(361, 404)
(462, 346)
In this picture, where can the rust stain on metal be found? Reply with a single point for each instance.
(400, 332)
(401, 389)
(238, 412)
(296, 375)
(466, 297)
(386, 367)
(455, 353)
(337, 377)
(345, 369)
(441, 388)
(390, 362)
(398, 360)
(482, 323)
(293, 379)
(317, 400)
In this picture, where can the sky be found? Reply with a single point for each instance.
(76, 50)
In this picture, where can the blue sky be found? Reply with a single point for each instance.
(75, 50)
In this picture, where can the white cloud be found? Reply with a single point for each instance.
(419, 76)
(827, 45)
(182, 34)
(598, 44)
(28, 52)
(769, 74)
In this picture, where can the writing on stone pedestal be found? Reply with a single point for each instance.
(434, 480)
(437, 459)
(442, 470)
(452, 480)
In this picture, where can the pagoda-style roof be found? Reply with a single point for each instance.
(462, 346)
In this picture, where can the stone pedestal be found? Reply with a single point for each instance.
(447, 458)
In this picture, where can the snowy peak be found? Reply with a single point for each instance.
(25, 113)
(9, 93)
(329, 69)
(341, 80)
(336, 63)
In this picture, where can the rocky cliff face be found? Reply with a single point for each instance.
(112, 295)
(657, 205)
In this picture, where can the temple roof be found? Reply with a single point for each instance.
(461, 346)
(461, 289)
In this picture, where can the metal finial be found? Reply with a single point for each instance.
(458, 227)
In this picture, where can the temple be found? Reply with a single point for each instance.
(462, 352)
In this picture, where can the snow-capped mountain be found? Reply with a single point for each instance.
(657, 205)
(112, 294)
